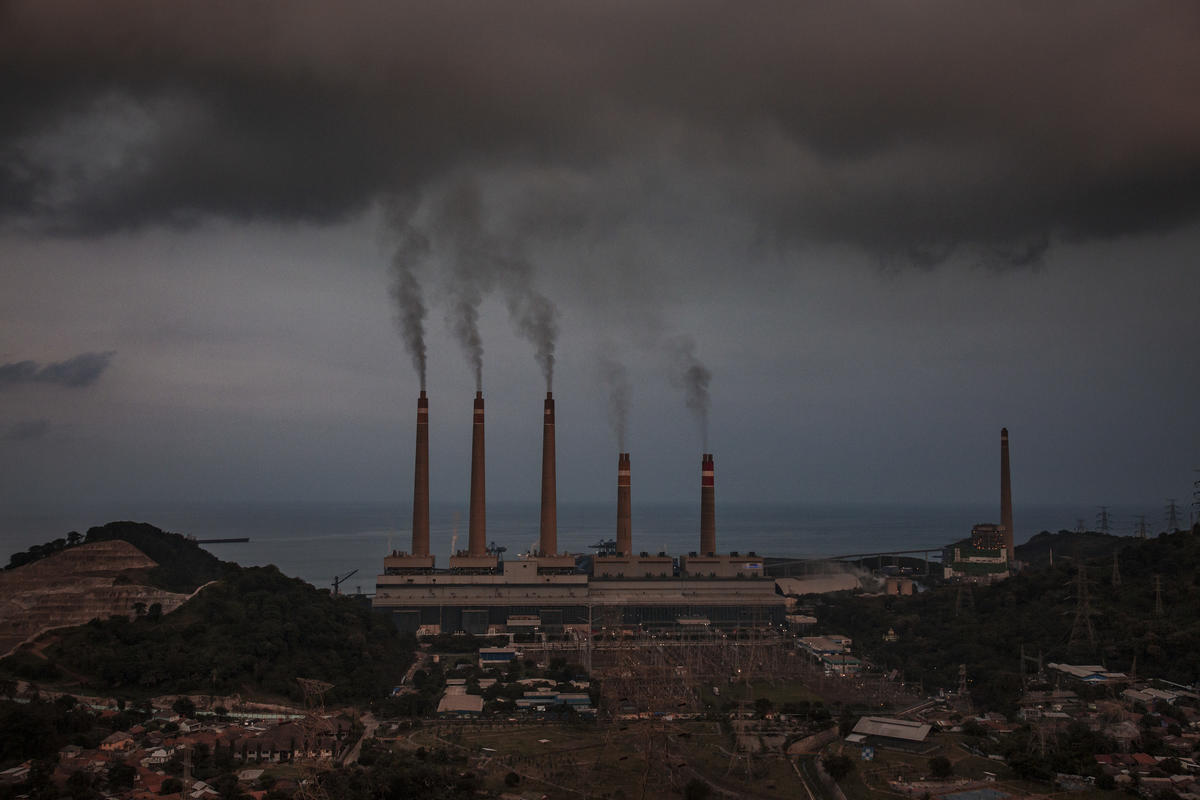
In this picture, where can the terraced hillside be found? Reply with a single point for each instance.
(74, 586)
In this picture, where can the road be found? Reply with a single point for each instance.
(370, 725)
(806, 768)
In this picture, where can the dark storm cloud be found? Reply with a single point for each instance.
(916, 129)
(26, 430)
(82, 370)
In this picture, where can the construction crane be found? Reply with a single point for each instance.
(337, 582)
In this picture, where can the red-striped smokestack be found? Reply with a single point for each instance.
(1006, 517)
(548, 543)
(624, 514)
(708, 510)
(478, 520)
(420, 521)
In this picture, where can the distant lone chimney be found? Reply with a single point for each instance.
(477, 545)
(548, 543)
(1006, 517)
(624, 515)
(420, 518)
(708, 502)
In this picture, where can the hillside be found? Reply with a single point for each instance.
(984, 627)
(253, 632)
(72, 586)
(1067, 545)
(181, 565)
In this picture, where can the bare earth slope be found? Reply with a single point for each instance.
(72, 588)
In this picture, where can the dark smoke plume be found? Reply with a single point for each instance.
(463, 317)
(410, 313)
(693, 377)
(536, 319)
(406, 291)
(82, 370)
(458, 236)
(615, 378)
(481, 261)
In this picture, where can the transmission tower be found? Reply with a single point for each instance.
(1040, 675)
(1140, 530)
(1116, 576)
(1196, 496)
(1172, 514)
(1083, 612)
(1037, 742)
(312, 726)
(1079, 526)
(1158, 605)
(1103, 519)
(188, 783)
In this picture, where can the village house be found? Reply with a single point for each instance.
(118, 742)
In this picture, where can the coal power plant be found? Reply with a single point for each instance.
(479, 592)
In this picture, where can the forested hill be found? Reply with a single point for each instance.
(985, 626)
(183, 565)
(1045, 547)
(253, 632)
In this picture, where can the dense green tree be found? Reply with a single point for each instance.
(837, 766)
(242, 631)
(120, 775)
(984, 627)
(79, 786)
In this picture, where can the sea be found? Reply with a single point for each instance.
(320, 541)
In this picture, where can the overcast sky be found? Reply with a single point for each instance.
(864, 237)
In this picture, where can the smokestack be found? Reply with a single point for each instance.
(1006, 517)
(624, 515)
(548, 543)
(420, 521)
(477, 545)
(708, 502)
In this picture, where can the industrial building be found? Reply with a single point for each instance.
(982, 558)
(989, 554)
(893, 734)
(478, 591)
